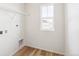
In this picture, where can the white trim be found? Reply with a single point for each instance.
(61, 53)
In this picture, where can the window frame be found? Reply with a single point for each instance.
(46, 18)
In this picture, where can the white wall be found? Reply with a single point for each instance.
(72, 29)
(8, 20)
(51, 41)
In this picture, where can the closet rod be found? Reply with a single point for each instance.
(6, 9)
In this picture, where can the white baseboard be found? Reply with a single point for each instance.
(61, 53)
(17, 50)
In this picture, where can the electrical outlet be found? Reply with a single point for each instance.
(1, 32)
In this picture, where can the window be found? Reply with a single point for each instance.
(47, 18)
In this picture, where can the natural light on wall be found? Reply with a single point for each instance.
(47, 18)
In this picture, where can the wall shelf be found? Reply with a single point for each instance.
(13, 11)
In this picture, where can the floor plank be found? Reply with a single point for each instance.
(29, 51)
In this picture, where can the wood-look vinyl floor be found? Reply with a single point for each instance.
(29, 51)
